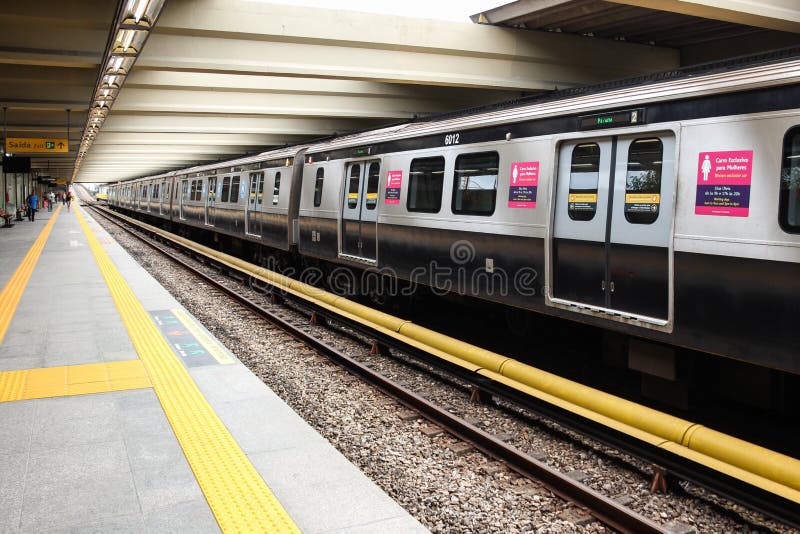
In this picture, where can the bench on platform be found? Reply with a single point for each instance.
(6, 219)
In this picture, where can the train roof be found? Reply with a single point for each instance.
(750, 72)
(737, 74)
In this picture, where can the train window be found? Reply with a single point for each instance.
(373, 178)
(276, 189)
(212, 189)
(475, 183)
(583, 176)
(426, 177)
(156, 192)
(789, 207)
(318, 187)
(235, 189)
(261, 189)
(643, 181)
(226, 189)
(185, 188)
(352, 188)
(197, 191)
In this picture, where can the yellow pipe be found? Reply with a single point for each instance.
(772, 471)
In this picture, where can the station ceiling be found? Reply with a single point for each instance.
(217, 79)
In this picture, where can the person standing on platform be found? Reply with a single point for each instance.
(33, 203)
(50, 198)
(68, 199)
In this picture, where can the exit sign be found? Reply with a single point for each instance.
(26, 145)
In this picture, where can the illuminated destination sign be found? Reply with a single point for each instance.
(610, 120)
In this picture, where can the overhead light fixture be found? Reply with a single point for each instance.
(131, 30)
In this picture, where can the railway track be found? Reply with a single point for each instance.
(604, 509)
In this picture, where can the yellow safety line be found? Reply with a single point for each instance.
(67, 380)
(12, 292)
(236, 493)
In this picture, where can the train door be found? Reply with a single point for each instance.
(359, 209)
(211, 198)
(184, 195)
(614, 210)
(255, 200)
(162, 209)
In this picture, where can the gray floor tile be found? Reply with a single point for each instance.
(264, 425)
(18, 363)
(127, 524)
(17, 422)
(404, 524)
(78, 485)
(160, 471)
(12, 478)
(194, 516)
(75, 421)
(225, 383)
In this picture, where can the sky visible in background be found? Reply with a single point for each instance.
(455, 10)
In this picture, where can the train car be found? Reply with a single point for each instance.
(664, 208)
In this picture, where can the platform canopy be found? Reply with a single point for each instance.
(216, 79)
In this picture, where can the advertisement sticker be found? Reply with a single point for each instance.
(394, 182)
(523, 184)
(723, 183)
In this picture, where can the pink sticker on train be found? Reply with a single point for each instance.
(394, 182)
(523, 184)
(723, 183)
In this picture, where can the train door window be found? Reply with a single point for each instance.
(260, 196)
(226, 189)
(475, 183)
(212, 190)
(353, 183)
(426, 178)
(318, 183)
(276, 189)
(584, 174)
(643, 181)
(789, 207)
(373, 179)
(235, 189)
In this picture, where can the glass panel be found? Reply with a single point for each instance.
(352, 188)
(318, 183)
(212, 190)
(425, 185)
(253, 185)
(276, 190)
(789, 208)
(260, 188)
(643, 181)
(373, 179)
(235, 189)
(475, 183)
(185, 187)
(226, 189)
(583, 176)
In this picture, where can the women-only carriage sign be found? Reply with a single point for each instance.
(723, 183)
(394, 182)
(523, 184)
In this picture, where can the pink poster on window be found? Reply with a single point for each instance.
(523, 184)
(394, 182)
(723, 183)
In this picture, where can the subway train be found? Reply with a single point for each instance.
(665, 208)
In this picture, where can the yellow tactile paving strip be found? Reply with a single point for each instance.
(236, 493)
(72, 380)
(12, 292)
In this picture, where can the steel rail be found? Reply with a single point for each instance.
(604, 509)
